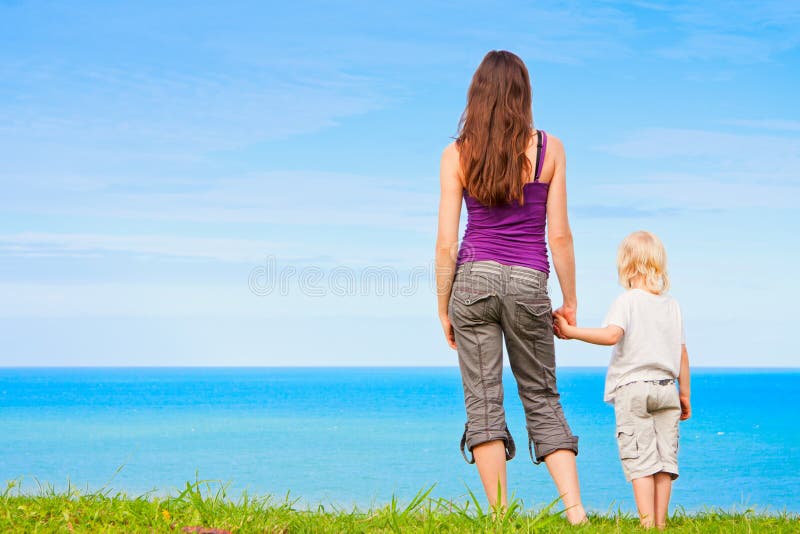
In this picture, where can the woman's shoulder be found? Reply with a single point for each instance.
(554, 145)
(450, 155)
(450, 161)
(451, 150)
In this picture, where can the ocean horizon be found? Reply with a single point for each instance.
(356, 436)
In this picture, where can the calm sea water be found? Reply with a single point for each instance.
(355, 436)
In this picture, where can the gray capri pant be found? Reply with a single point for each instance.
(491, 301)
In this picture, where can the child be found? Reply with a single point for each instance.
(645, 327)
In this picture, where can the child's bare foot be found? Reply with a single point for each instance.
(498, 512)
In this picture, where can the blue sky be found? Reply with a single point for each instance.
(157, 158)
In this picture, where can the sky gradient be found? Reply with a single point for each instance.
(159, 160)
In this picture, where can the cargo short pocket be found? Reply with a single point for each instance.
(469, 296)
(469, 300)
(626, 441)
(535, 313)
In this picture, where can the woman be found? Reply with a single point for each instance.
(512, 179)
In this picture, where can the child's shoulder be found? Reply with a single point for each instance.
(625, 296)
(621, 303)
(670, 299)
(634, 296)
(654, 301)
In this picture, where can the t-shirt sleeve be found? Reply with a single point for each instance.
(618, 313)
(683, 330)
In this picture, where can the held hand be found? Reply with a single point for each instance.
(449, 335)
(561, 326)
(686, 408)
(569, 314)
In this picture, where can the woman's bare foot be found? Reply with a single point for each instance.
(576, 515)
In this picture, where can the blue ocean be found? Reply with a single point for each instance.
(357, 436)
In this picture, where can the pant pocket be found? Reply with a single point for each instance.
(535, 314)
(469, 300)
(626, 442)
(533, 327)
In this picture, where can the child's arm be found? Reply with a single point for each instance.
(684, 385)
(609, 335)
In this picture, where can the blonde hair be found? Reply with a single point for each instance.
(642, 255)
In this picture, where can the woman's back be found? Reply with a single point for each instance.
(510, 233)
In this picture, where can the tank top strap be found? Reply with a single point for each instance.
(541, 150)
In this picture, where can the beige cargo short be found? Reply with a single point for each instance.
(648, 415)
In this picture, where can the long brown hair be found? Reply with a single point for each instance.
(495, 129)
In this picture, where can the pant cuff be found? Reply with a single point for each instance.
(469, 444)
(543, 449)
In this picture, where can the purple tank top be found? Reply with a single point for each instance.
(510, 234)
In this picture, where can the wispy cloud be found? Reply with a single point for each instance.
(753, 157)
(785, 125)
(737, 32)
(324, 251)
(701, 195)
(681, 172)
(232, 300)
(286, 198)
(628, 211)
(564, 33)
(34, 244)
(135, 109)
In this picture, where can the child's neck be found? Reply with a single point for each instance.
(638, 283)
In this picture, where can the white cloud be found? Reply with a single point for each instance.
(566, 33)
(317, 250)
(96, 299)
(785, 125)
(701, 195)
(134, 109)
(31, 244)
(756, 158)
(737, 32)
(297, 198)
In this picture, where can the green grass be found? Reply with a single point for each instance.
(201, 505)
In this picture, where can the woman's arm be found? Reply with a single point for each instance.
(559, 234)
(447, 235)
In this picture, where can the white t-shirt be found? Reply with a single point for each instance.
(650, 348)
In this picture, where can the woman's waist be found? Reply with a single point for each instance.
(494, 267)
(503, 245)
(529, 236)
(475, 280)
(519, 259)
